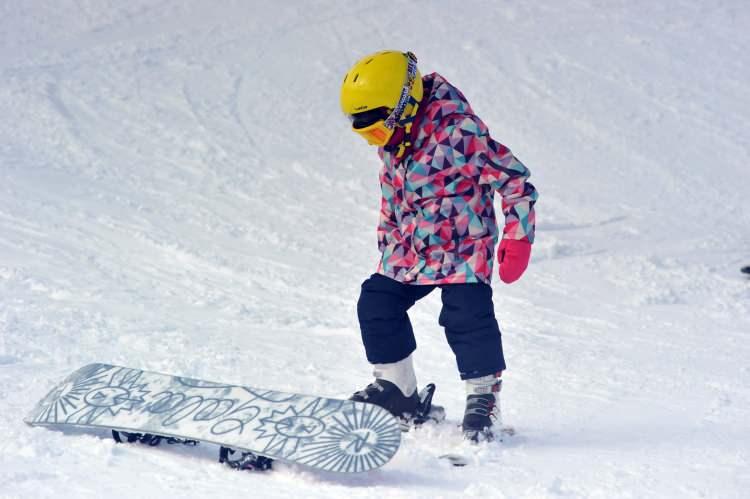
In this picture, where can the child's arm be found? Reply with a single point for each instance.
(508, 176)
(504, 173)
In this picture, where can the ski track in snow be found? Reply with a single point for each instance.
(179, 193)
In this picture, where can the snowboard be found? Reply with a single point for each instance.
(317, 432)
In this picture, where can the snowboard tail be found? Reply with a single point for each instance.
(318, 432)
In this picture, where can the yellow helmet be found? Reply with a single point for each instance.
(380, 92)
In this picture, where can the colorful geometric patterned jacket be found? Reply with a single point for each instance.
(437, 220)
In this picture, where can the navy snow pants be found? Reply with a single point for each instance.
(468, 317)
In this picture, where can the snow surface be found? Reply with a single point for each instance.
(179, 192)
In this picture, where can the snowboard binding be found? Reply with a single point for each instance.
(245, 461)
(238, 460)
(149, 439)
(426, 411)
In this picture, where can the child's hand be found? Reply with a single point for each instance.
(513, 256)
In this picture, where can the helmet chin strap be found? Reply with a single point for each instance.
(406, 122)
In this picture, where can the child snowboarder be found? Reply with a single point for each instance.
(437, 229)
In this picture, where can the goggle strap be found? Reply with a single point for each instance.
(405, 97)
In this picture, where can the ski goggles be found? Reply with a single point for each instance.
(371, 126)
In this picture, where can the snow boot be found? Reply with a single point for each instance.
(387, 395)
(394, 389)
(482, 408)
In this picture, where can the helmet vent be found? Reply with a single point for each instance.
(355, 78)
(369, 61)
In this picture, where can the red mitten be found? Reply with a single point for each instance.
(513, 256)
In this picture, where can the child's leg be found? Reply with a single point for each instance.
(468, 317)
(388, 336)
(386, 330)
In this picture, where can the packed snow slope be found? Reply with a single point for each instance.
(179, 192)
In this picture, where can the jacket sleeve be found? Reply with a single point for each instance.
(508, 176)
